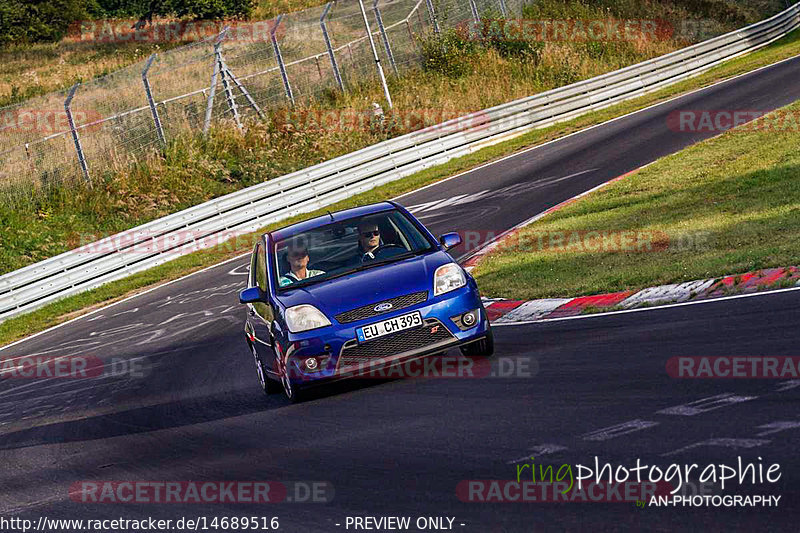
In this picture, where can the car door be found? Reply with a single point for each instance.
(261, 314)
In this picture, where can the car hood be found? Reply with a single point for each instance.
(369, 286)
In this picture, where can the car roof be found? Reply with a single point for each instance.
(338, 216)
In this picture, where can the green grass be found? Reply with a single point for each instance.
(62, 310)
(724, 206)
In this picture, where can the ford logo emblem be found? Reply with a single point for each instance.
(380, 308)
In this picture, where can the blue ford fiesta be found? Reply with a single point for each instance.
(340, 294)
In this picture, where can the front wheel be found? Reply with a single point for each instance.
(293, 393)
(268, 385)
(481, 348)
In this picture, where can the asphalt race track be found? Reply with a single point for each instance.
(178, 400)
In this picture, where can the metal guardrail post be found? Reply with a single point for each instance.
(151, 102)
(432, 14)
(375, 54)
(213, 88)
(286, 86)
(474, 9)
(75, 138)
(385, 37)
(325, 36)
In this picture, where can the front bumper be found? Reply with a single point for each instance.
(340, 355)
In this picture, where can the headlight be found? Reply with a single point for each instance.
(448, 278)
(304, 317)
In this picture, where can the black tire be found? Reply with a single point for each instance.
(293, 393)
(268, 386)
(480, 348)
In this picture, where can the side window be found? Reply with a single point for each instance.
(261, 268)
(264, 310)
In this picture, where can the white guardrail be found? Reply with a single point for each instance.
(309, 189)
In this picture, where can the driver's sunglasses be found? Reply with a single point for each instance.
(297, 255)
(370, 233)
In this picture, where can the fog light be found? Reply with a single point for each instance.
(469, 319)
(311, 363)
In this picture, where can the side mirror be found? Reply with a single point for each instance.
(251, 296)
(450, 240)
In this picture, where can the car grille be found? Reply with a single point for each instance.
(354, 353)
(366, 311)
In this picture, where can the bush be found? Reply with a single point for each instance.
(28, 21)
(450, 53)
(196, 9)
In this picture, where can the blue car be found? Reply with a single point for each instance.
(339, 294)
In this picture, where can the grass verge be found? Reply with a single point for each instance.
(70, 307)
(724, 206)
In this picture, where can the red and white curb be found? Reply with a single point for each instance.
(502, 311)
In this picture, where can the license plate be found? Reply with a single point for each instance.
(398, 323)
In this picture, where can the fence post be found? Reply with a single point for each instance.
(228, 91)
(75, 138)
(149, 93)
(239, 85)
(432, 14)
(213, 89)
(375, 54)
(279, 57)
(474, 10)
(325, 36)
(383, 34)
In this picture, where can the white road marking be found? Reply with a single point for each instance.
(619, 430)
(706, 404)
(539, 450)
(241, 270)
(777, 426)
(725, 443)
(788, 385)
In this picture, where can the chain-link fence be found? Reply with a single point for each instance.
(245, 71)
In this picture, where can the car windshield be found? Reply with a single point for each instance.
(347, 246)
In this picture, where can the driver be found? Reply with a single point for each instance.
(369, 239)
(297, 256)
